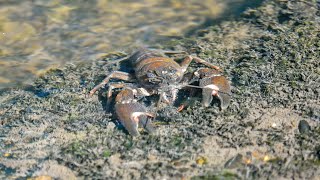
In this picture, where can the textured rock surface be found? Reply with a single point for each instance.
(271, 56)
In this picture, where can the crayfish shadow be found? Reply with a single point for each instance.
(108, 107)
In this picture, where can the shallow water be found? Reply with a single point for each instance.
(38, 35)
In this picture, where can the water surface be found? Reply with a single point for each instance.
(38, 35)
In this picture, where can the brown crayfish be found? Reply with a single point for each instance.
(154, 73)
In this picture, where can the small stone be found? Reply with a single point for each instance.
(201, 160)
(304, 127)
(266, 158)
(234, 162)
(6, 154)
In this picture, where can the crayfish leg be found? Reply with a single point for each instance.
(114, 75)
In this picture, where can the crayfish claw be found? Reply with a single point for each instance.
(207, 96)
(214, 84)
(224, 100)
(131, 113)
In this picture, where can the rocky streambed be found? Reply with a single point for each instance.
(271, 54)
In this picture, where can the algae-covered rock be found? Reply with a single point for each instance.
(271, 56)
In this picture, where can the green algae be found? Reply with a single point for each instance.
(269, 55)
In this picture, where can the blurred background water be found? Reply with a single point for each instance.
(36, 35)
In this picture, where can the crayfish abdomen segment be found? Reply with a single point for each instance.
(154, 70)
(141, 55)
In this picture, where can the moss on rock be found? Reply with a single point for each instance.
(270, 54)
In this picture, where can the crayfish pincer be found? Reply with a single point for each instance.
(156, 74)
(214, 84)
(131, 113)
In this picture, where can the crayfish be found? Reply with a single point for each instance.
(157, 74)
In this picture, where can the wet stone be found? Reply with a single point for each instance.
(304, 127)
